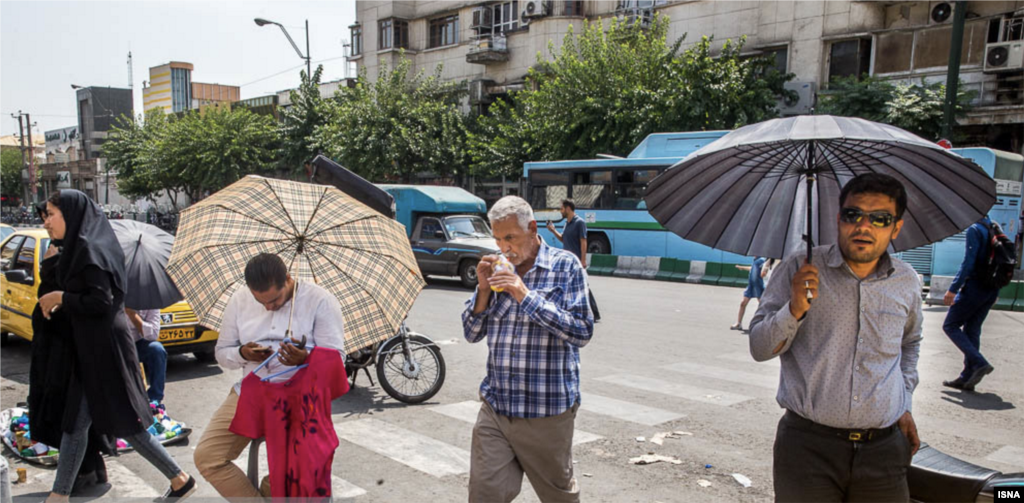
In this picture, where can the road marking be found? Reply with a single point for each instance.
(343, 489)
(744, 356)
(769, 381)
(1009, 454)
(705, 395)
(467, 412)
(126, 483)
(416, 451)
(627, 411)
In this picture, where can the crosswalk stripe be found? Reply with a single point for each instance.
(467, 412)
(416, 451)
(744, 357)
(765, 380)
(126, 483)
(705, 395)
(343, 489)
(627, 411)
(1009, 454)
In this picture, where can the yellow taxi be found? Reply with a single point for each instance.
(20, 256)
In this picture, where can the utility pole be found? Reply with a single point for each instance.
(21, 138)
(953, 70)
(31, 162)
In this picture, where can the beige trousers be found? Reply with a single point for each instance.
(217, 450)
(504, 448)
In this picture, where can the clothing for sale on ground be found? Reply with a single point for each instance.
(295, 418)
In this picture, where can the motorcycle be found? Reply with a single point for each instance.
(410, 366)
(937, 476)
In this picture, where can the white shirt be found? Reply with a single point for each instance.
(150, 326)
(317, 316)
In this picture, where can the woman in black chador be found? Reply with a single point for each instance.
(106, 388)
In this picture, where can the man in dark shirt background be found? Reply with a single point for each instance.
(574, 239)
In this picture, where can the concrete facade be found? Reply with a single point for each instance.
(904, 41)
(170, 88)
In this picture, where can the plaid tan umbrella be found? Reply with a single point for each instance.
(323, 235)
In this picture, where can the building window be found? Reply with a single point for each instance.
(444, 31)
(506, 17)
(181, 89)
(357, 39)
(394, 34)
(849, 58)
(574, 8)
(781, 57)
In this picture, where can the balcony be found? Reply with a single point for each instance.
(489, 50)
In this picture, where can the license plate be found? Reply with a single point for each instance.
(177, 334)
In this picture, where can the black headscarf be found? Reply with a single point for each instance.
(88, 240)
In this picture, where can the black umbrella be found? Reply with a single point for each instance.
(742, 193)
(147, 249)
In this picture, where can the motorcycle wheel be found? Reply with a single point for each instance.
(413, 381)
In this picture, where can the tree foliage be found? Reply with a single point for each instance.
(194, 153)
(605, 90)
(299, 121)
(402, 124)
(918, 108)
(11, 184)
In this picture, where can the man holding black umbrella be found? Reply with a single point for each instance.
(847, 328)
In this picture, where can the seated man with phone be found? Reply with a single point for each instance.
(253, 327)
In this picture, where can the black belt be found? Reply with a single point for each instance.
(852, 435)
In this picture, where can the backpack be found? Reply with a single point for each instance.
(995, 268)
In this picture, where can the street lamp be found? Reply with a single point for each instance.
(263, 22)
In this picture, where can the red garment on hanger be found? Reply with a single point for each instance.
(295, 418)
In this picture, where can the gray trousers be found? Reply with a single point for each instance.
(813, 466)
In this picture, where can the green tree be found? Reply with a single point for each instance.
(299, 122)
(918, 108)
(400, 125)
(194, 153)
(10, 174)
(605, 90)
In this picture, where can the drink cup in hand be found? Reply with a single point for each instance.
(501, 265)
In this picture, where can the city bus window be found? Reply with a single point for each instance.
(592, 190)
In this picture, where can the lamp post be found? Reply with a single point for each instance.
(263, 22)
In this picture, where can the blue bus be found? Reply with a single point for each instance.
(609, 196)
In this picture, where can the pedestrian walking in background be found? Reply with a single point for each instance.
(849, 356)
(535, 318)
(144, 327)
(970, 299)
(574, 240)
(107, 387)
(755, 287)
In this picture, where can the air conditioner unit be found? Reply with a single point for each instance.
(483, 19)
(941, 12)
(1004, 57)
(804, 102)
(535, 8)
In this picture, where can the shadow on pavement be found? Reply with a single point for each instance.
(977, 401)
(450, 284)
(363, 399)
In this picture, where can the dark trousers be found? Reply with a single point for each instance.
(964, 320)
(593, 305)
(813, 466)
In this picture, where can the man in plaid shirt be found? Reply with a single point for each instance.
(534, 329)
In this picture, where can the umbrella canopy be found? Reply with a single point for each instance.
(322, 234)
(147, 248)
(760, 189)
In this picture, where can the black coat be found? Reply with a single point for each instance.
(106, 367)
(50, 375)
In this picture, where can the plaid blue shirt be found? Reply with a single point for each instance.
(533, 355)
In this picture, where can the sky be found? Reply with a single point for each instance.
(45, 47)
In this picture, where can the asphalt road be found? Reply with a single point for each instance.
(663, 359)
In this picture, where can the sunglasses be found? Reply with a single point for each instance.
(879, 219)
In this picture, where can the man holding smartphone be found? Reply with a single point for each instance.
(254, 322)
